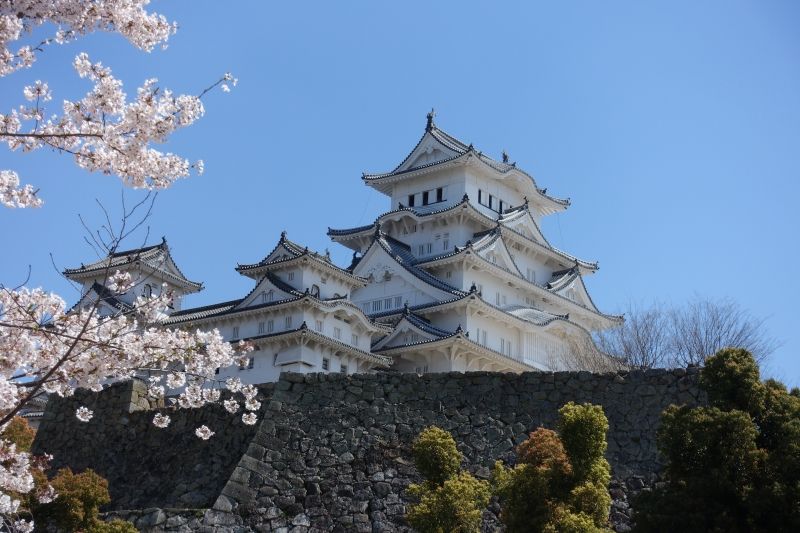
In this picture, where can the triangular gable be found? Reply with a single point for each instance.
(429, 150)
(376, 262)
(266, 291)
(404, 333)
(577, 292)
(496, 252)
(524, 224)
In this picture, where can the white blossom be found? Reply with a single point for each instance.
(231, 406)
(203, 432)
(161, 421)
(84, 414)
(249, 418)
(252, 405)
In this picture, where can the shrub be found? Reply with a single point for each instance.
(455, 506)
(560, 483)
(435, 455)
(19, 432)
(77, 506)
(733, 466)
(448, 500)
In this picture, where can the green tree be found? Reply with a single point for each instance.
(77, 506)
(560, 482)
(449, 500)
(734, 465)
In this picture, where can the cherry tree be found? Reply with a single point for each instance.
(45, 346)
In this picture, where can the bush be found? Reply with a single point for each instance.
(19, 432)
(560, 483)
(455, 506)
(77, 506)
(448, 500)
(435, 455)
(733, 466)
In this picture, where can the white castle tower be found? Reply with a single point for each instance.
(461, 270)
(456, 276)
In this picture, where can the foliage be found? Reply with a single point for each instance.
(448, 500)
(560, 483)
(436, 456)
(733, 466)
(77, 506)
(19, 432)
(454, 506)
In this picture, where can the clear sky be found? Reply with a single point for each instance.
(674, 129)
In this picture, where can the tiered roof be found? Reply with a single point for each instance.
(362, 234)
(457, 152)
(156, 259)
(287, 253)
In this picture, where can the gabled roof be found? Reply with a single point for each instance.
(401, 254)
(360, 233)
(304, 331)
(156, 258)
(415, 323)
(106, 296)
(460, 337)
(287, 253)
(453, 150)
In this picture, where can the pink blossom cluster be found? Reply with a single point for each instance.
(73, 18)
(48, 347)
(104, 131)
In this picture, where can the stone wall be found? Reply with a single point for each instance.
(146, 466)
(333, 452)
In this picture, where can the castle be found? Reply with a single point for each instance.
(455, 276)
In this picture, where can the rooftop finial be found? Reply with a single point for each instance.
(283, 234)
(430, 116)
(406, 311)
(505, 156)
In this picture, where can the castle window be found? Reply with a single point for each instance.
(270, 296)
(398, 301)
(500, 208)
(326, 363)
(425, 198)
(430, 247)
(343, 369)
(318, 325)
(439, 194)
(387, 303)
(337, 333)
(263, 297)
(497, 298)
(288, 322)
(449, 274)
(261, 327)
(480, 196)
(291, 276)
(275, 360)
(270, 326)
(315, 290)
(354, 340)
(235, 332)
(148, 290)
(410, 200)
(421, 249)
(446, 242)
(251, 362)
(376, 306)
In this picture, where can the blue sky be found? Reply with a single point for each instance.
(674, 129)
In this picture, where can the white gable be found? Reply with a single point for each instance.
(497, 253)
(428, 151)
(265, 292)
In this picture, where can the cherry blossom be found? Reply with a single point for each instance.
(203, 432)
(249, 418)
(161, 421)
(104, 131)
(84, 414)
(232, 406)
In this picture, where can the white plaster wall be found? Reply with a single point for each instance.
(451, 179)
